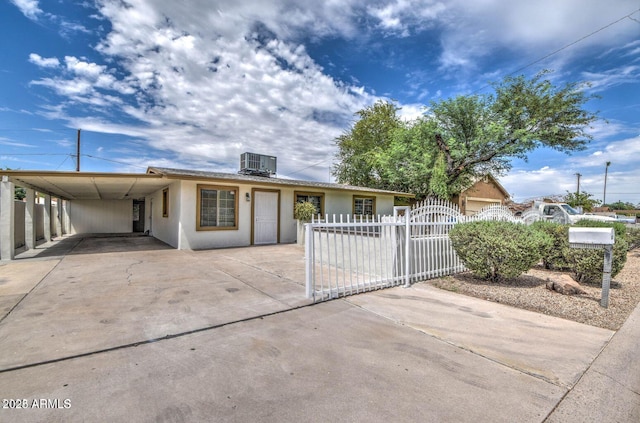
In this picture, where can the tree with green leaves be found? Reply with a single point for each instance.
(19, 192)
(621, 205)
(370, 135)
(462, 138)
(582, 199)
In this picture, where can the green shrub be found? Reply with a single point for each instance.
(304, 211)
(633, 238)
(554, 255)
(587, 265)
(498, 250)
(619, 228)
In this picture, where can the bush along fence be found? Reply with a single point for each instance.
(347, 255)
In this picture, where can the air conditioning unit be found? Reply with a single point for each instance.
(257, 164)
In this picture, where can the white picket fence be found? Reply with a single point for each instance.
(347, 255)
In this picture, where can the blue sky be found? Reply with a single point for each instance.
(195, 83)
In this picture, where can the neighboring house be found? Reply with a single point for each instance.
(483, 192)
(190, 209)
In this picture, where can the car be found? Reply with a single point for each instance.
(625, 219)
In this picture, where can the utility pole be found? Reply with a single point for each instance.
(78, 153)
(604, 194)
(578, 189)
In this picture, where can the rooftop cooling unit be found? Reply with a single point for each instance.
(257, 164)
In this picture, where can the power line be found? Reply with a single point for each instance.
(65, 159)
(575, 42)
(566, 46)
(114, 161)
(37, 154)
(306, 167)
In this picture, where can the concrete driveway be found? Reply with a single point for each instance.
(127, 329)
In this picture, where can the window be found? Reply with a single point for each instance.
(364, 206)
(315, 198)
(217, 208)
(165, 202)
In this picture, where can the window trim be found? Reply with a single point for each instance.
(309, 193)
(364, 197)
(199, 189)
(165, 202)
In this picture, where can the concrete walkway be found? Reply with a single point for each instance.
(127, 329)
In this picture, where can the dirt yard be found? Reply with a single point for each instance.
(529, 292)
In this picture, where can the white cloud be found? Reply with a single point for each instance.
(210, 81)
(29, 8)
(622, 185)
(11, 143)
(410, 112)
(402, 17)
(82, 68)
(44, 62)
(601, 81)
(475, 29)
(624, 152)
(209, 84)
(546, 181)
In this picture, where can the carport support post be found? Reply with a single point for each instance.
(57, 223)
(64, 215)
(606, 275)
(7, 220)
(47, 218)
(30, 219)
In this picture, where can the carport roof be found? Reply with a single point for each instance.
(122, 186)
(87, 185)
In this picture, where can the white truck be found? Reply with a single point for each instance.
(564, 213)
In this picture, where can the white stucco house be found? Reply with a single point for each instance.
(186, 209)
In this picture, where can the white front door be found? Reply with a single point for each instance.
(265, 217)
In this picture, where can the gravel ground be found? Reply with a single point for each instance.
(529, 292)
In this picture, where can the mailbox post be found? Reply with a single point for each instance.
(595, 239)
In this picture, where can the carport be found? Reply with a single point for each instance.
(75, 203)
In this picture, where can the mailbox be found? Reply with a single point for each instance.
(596, 238)
(591, 237)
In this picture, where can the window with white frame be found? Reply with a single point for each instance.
(217, 208)
(364, 206)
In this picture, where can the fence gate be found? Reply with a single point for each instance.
(430, 249)
(346, 255)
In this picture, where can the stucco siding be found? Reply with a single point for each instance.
(189, 238)
(165, 228)
(193, 239)
(179, 227)
(100, 216)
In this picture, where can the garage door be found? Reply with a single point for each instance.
(474, 206)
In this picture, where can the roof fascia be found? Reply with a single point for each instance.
(280, 183)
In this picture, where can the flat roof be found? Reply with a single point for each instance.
(87, 185)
